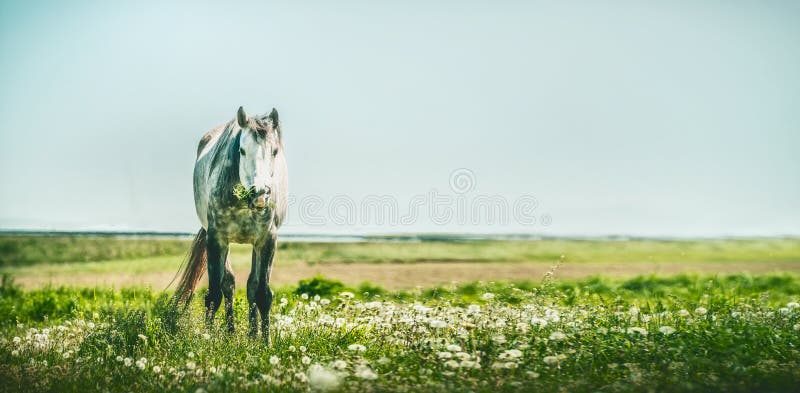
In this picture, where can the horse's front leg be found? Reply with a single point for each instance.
(217, 250)
(252, 286)
(258, 290)
(228, 288)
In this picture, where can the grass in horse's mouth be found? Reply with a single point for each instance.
(242, 194)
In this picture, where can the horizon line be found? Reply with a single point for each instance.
(404, 236)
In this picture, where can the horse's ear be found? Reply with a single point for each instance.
(274, 117)
(241, 117)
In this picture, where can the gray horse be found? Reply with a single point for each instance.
(240, 193)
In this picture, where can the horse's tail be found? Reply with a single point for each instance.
(193, 269)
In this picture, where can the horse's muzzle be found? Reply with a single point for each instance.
(260, 199)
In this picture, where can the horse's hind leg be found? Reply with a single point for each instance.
(217, 254)
(228, 287)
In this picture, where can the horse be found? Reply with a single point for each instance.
(241, 196)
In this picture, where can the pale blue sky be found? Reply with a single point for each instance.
(634, 118)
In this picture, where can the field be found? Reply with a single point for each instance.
(549, 315)
(107, 261)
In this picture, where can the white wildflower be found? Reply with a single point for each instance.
(487, 296)
(437, 324)
(639, 330)
(322, 379)
(666, 330)
(156, 369)
(191, 365)
(536, 321)
(551, 360)
(510, 354)
(470, 364)
(453, 348)
(356, 347)
(339, 364)
(552, 315)
(364, 372)
(305, 360)
(274, 360)
(557, 336)
(700, 311)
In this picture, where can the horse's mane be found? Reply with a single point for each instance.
(225, 156)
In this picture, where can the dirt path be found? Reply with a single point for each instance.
(402, 276)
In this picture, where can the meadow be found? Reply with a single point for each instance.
(124, 261)
(683, 331)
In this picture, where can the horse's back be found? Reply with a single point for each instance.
(206, 141)
(202, 173)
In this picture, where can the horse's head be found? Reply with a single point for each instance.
(259, 146)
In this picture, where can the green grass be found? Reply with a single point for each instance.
(16, 251)
(30, 250)
(680, 333)
(731, 332)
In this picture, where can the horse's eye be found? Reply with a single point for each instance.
(275, 152)
(241, 151)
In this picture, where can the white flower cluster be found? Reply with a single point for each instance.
(491, 338)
